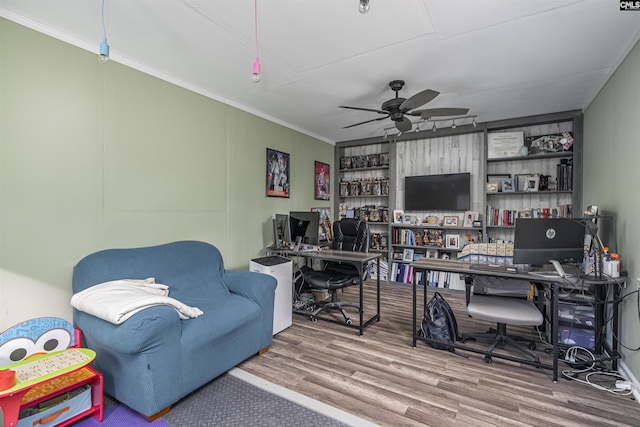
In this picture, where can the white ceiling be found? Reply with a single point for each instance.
(499, 58)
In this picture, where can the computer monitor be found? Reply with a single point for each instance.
(281, 231)
(305, 225)
(540, 240)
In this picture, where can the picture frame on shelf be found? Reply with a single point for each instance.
(398, 216)
(469, 218)
(407, 255)
(507, 185)
(432, 253)
(321, 181)
(492, 187)
(278, 176)
(450, 221)
(452, 241)
(497, 177)
(520, 181)
(532, 183)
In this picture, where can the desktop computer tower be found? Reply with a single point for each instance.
(282, 270)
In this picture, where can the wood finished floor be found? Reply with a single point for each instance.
(380, 377)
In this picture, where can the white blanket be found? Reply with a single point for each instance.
(118, 300)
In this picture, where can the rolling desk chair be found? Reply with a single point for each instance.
(504, 304)
(349, 234)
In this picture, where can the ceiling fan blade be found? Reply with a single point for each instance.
(405, 125)
(364, 109)
(419, 99)
(368, 121)
(438, 112)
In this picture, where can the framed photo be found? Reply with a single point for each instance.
(450, 221)
(322, 179)
(432, 253)
(531, 183)
(278, 167)
(452, 241)
(407, 255)
(520, 181)
(469, 218)
(398, 216)
(492, 187)
(497, 177)
(507, 185)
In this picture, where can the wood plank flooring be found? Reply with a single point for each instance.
(380, 377)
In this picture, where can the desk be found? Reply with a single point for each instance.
(553, 284)
(357, 259)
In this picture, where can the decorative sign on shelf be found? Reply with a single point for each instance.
(504, 144)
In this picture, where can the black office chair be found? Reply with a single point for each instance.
(349, 234)
(504, 303)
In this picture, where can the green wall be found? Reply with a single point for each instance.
(95, 156)
(612, 180)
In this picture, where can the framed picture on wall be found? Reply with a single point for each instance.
(321, 181)
(278, 166)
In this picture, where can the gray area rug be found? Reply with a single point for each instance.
(228, 401)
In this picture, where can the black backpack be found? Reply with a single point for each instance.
(439, 323)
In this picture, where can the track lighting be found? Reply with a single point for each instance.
(417, 127)
(363, 7)
(434, 128)
(104, 46)
(473, 123)
(453, 124)
(386, 135)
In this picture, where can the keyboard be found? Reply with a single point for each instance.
(494, 267)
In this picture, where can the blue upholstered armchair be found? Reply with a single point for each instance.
(154, 358)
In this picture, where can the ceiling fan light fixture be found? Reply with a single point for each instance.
(363, 7)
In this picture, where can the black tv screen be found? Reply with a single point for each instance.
(446, 192)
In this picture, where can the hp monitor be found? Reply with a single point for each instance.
(540, 240)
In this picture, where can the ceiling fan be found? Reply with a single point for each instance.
(396, 108)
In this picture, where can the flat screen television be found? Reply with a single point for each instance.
(446, 192)
(305, 225)
(540, 240)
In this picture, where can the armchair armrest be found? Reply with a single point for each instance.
(144, 330)
(257, 287)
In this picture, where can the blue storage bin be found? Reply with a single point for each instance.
(58, 413)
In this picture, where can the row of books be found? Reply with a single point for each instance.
(441, 279)
(564, 176)
(408, 237)
(403, 273)
(507, 217)
(383, 273)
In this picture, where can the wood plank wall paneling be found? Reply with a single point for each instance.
(450, 154)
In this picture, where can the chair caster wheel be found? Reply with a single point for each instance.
(314, 319)
(488, 359)
(349, 322)
(532, 346)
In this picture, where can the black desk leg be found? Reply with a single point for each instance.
(554, 329)
(361, 270)
(413, 326)
(615, 351)
(378, 287)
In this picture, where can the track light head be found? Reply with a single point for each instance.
(453, 124)
(363, 7)
(434, 128)
(473, 122)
